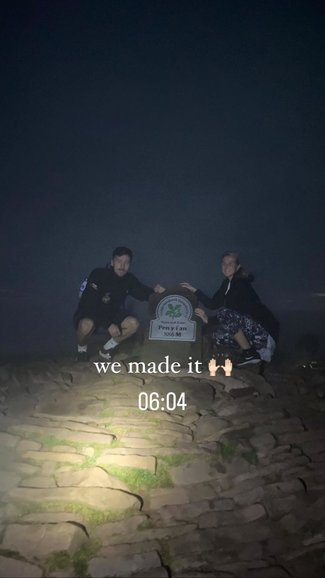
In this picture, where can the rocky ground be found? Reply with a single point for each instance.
(91, 486)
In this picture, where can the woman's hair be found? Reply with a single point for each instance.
(241, 271)
(233, 255)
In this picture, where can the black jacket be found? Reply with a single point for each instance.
(241, 297)
(108, 299)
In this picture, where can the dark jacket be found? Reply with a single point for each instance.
(241, 297)
(108, 300)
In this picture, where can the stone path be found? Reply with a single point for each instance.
(232, 486)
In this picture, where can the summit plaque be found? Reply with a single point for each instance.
(173, 320)
(174, 329)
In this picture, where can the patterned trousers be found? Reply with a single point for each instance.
(228, 322)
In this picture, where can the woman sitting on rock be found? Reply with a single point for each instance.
(241, 319)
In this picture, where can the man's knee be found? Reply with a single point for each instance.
(85, 326)
(130, 324)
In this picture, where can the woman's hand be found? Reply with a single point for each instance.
(114, 330)
(202, 314)
(188, 286)
(159, 289)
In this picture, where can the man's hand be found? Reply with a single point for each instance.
(188, 286)
(202, 314)
(114, 330)
(159, 289)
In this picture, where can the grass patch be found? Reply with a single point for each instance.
(89, 462)
(164, 552)
(250, 456)
(139, 479)
(79, 560)
(112, 412)
(125, 430)
(49, 442)
(82, 557)
(107, 412)
(90, 515)
(229, 451)
(59, 561)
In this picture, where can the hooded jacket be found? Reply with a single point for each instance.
(105, 293)
(239, 295)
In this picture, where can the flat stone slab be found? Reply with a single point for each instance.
(156, 450)
(65, 449)
(208, 428)
(89, 478)
(138, 442)
(65, 434)
(11, 568)
(123, 548)
(25, 445)
(44, 420)
(129, 525)
(8, 440)
(123, 566)
(193, 473)
(152, 534)
(131, 461)
(167, 496)
(23, 468)
(38, 482)
(102, 499)
(263, 443)
(240, 516)
(52, 518)
(41, 540)
(160, 572)
(8, 480)
(69, 405)
(142, 421)
(169, 437)
(299, 438)
(54, 457)
(183, 512)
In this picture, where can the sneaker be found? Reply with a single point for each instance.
(248, 356)
(82, 356)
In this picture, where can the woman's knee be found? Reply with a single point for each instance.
(86, 326)
(130, 324)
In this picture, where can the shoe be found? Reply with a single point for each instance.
(82, 356)
(248, 356)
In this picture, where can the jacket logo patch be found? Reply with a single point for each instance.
(106, 298)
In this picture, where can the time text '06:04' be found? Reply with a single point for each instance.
(155, 402)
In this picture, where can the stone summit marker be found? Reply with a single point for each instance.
(174, 329)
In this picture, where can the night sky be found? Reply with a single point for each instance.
(179, 128)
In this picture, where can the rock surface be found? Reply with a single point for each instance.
(232, 486)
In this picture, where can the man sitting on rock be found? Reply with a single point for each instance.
(102, 304)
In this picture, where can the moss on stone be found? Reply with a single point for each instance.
(78, 561)
(164, 552)
(230, 450)
(140, 479)
(11, 554)
(58, 561)
(89, 515)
